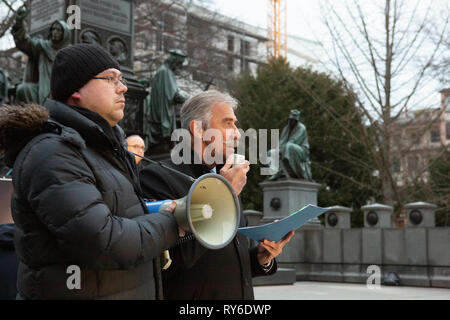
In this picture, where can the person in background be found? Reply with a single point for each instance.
(136, 145)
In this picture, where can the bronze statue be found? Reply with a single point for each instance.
(41, 53)
(117, 49)
(294, 150)
(146, 124)
(164, 96)
(90, 37)
(4, 87)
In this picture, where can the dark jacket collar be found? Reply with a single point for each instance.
(97, 133)
(91, 126)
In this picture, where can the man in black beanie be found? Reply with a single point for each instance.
(82, 231)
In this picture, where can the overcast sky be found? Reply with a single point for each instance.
(304, 19)
(301, 14)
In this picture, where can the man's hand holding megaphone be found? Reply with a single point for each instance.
(171, 209)
(235, 171)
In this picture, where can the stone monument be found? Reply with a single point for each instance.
(287, 191)
(421, 214)
(43, 13)
(4, 87)
(41, 52)
(165, 101)
(109, 23)
(291, 187)
(293, 150)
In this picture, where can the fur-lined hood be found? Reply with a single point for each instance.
(20, 124)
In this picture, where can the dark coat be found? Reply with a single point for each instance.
(76, 202)
(197, 272)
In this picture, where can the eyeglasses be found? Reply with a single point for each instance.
(113, 81)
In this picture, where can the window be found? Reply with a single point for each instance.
(245, 51)
(167, 42)
(413, 162)
(169, 23)
(415, 137)
(396, 166)
(244, 64)
(159, 35)
(245, 48)
(435, 136)
(397, 141)
(230, 63)
(230, 43)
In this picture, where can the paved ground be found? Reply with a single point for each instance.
(305, 290)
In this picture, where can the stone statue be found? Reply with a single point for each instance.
(293, 150)
(146, 124)
(117, 49)
(164, 96)
(90, 37)
(41, 53)
(4, 87)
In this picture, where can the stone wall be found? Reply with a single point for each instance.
(419, 253)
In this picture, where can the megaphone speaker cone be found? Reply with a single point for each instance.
(201, 212)
(210, 211)
(215, 192)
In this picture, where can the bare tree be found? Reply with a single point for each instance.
(441, 66)
(167, 24)
(156, 30)
(8, 61)
(8, 14)
(382, 52)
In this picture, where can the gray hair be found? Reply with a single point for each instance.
(198, 107)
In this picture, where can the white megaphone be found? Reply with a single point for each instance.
(210, 211)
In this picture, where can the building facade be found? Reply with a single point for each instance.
(418, 138)
(217, 46)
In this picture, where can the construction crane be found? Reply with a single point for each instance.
(277, 28)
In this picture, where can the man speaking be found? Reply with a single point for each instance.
(197, 272)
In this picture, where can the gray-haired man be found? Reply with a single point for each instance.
(196, 272)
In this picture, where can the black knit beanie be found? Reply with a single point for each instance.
(75, 65)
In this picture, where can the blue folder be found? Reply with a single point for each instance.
(275, 231)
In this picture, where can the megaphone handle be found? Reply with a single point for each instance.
(157, 206)
(167, 259)
(186, 238)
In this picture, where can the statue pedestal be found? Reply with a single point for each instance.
(281, 198)
(285, 196)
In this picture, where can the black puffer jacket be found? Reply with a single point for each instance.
(76, 202)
